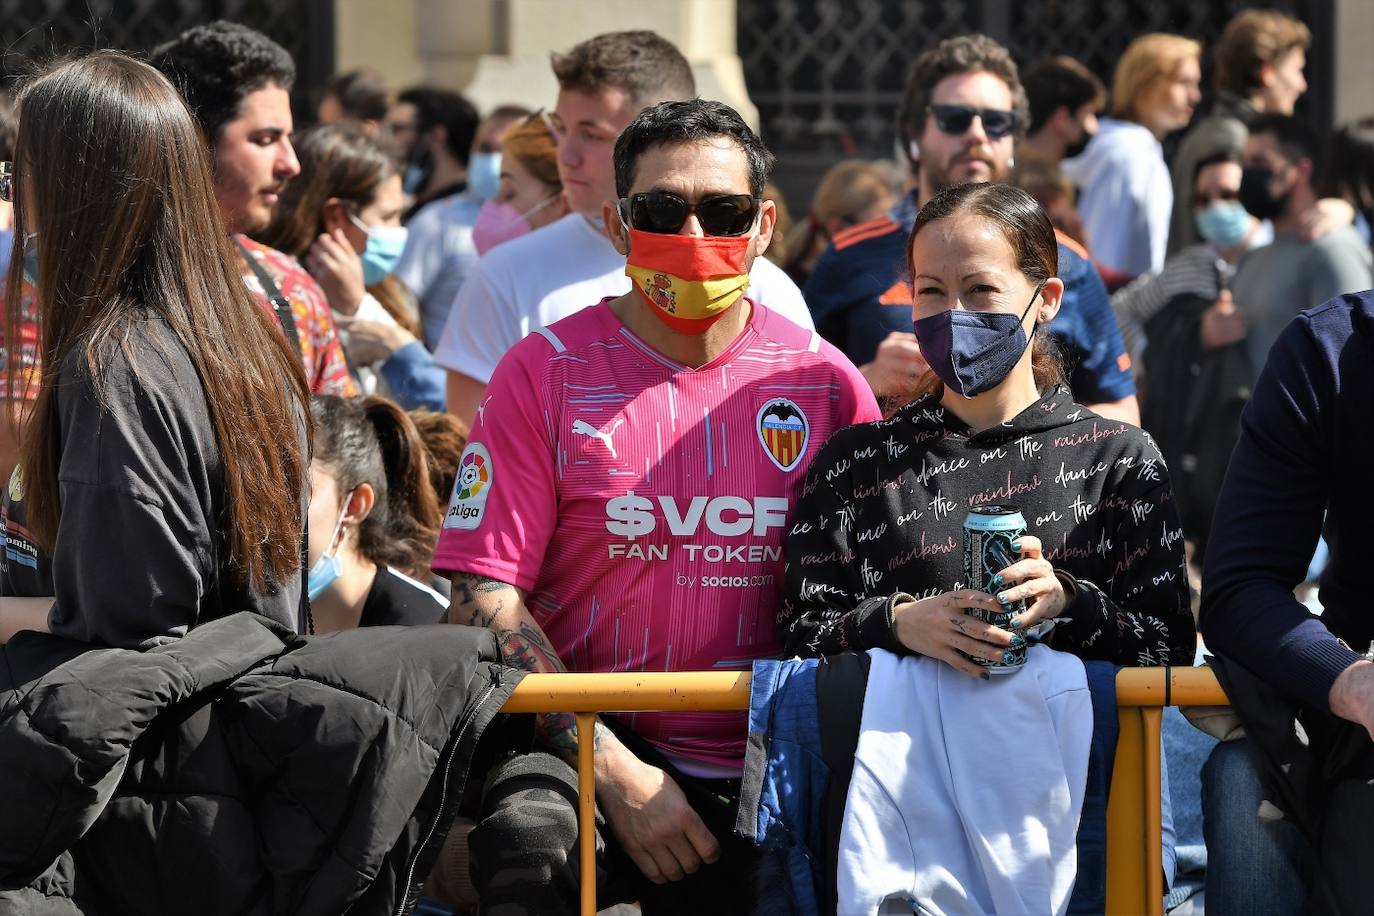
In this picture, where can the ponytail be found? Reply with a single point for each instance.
(374, 441)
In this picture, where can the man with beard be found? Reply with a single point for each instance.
(237, 83)
(962, 111)
(1277, 281)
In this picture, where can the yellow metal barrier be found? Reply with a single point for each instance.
(1134, 854)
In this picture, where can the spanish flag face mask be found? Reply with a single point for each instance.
(690, 282)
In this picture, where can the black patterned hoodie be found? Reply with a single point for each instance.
(881, 517)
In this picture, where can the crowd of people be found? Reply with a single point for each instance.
(558, 377)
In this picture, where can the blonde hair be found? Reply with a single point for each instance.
(1251, 40)
(1148, 61)
(850, 188)
(532, 142)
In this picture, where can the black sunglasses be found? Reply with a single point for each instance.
(7, 182)
(957, 119)
(665, 213)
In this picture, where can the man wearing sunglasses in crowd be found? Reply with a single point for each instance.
(962, 112)
(556, 270)
(621, 506)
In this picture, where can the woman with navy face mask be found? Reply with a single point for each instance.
(875, 557)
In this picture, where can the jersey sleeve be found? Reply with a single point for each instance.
(481, 327)
(503, 509)
(1099, 368)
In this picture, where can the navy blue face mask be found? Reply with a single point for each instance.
(973, 351)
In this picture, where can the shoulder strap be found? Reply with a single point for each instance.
(280, 304)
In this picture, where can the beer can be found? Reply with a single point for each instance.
(989, 532)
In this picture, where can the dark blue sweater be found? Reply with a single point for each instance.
(1306, 448)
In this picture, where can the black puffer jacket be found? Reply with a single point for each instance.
(239, 770)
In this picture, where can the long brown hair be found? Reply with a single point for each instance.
(119, 178)
(337, 161)
(373, 441)
(1027, 229)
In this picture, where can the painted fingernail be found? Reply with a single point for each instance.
(1002, 598)
(997, 579)
(1016, 546)
(1017, 642)
(1008, 657)
(985, 676)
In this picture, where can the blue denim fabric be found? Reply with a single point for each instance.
(782, 709)
(1185, 751)
(783, 728)
(1254, 867)
(1090, 887)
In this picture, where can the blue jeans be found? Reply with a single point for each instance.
(1254, 867)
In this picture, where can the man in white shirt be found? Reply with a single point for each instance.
(533, 281)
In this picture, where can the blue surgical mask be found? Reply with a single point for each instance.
(972, 352)
(383, 251)
(484, 174)
(1224, 223)
(328, 567)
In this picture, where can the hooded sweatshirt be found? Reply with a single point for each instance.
(881, 520)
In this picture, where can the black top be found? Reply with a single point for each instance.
(1306, 451)
(883, 507)
(140, 555)
(398, 600)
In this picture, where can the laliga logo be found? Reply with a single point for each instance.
(631, 516)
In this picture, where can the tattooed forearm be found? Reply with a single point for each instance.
(477, 600)
(526, 647)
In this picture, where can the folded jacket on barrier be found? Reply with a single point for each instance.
(241, 769)
(830, 762)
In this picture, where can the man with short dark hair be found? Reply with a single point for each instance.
(621, 506)
(550, 273)
(1281, 159)
(1065, 99)
(961, 114)
(443, 125)
(237, 83)
(439, 250)
(359, 97)
(1258, 69)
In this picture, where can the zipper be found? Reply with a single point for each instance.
(443, 792)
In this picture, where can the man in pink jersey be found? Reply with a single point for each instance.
(621, 506)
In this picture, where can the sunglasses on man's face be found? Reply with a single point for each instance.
(957, 119)
(7, 182)
(665, 213)
(1203, 201)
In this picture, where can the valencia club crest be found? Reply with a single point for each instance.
(783, 432)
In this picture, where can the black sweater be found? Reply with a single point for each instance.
(883, 507)
(1306, 453)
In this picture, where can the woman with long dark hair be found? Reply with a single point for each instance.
(163, 465)
(341, 217)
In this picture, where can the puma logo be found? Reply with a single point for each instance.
(583, 428)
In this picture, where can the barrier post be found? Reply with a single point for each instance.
(586, 808)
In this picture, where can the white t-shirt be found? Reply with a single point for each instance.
(537, 279)
(438, 257)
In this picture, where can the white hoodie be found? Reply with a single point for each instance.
(966, 793)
